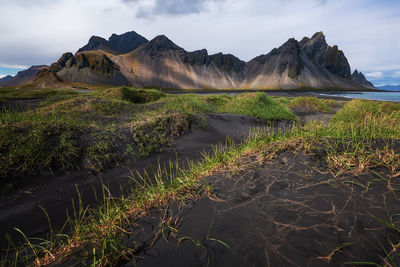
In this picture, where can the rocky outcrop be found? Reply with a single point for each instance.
(22, 76)
(116, 44)
(91, 67)
(45, 79)
(328, 57)
(360, 78)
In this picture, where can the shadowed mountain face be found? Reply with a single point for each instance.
(88, 68)
(22, 76)
(6, 78)
(359, 77)
(326, 56)
(116, 44)
(131, 59)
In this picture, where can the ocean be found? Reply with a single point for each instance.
(383, 96)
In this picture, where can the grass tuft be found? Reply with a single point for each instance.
(305, 104)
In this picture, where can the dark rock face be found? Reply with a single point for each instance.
(290, 59)
(329, 57)
(96, 43)
(22, 76)
(88, 67)
(116, 44)
(61, 63)
(336, 62)
(228, 63)
(199, 57)
(359, 77)
(126, 42)
(161, 43)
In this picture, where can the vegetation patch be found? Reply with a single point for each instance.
(258, 105)
(188, 103)
(35, 93)
(367, 120)
(31, 142)
(138, 96)
(309, 104)
(156, 131)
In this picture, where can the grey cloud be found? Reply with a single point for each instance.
(171, 7)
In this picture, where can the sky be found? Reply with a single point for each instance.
(39, 32)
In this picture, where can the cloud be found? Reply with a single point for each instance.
(13, 66)
(2, 76)
(396, 74)
(150, 8)
(376, 74)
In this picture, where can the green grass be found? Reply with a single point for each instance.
(306, 104)
(367, 119)
(33, 93)
(188, 103)
(30, 142)
(138, 96)
(258, 105)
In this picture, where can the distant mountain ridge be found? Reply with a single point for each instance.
(389, 87)
(6, 78)
(129, 59)
(22, 76)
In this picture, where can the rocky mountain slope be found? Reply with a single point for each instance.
(22, 76)
(6, 78)
(359, 77)
(88, 67)
(129, 59)
(116, 44)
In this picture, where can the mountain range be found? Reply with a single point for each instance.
(22, 76)
(131, 59)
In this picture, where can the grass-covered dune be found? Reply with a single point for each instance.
(305, 104)
(101, 129)
(339, 179)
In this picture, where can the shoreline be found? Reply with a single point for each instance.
(335, 95)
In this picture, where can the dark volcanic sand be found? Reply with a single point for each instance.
(284, 212)
(21, 209)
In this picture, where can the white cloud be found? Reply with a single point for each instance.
(12, 66)
(375, 74)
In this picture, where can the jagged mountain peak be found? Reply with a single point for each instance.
(290, 46)
(126, 42)
(116, 44)
(318, 35)
(162, 42)
(329, 57)
(360, 78)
